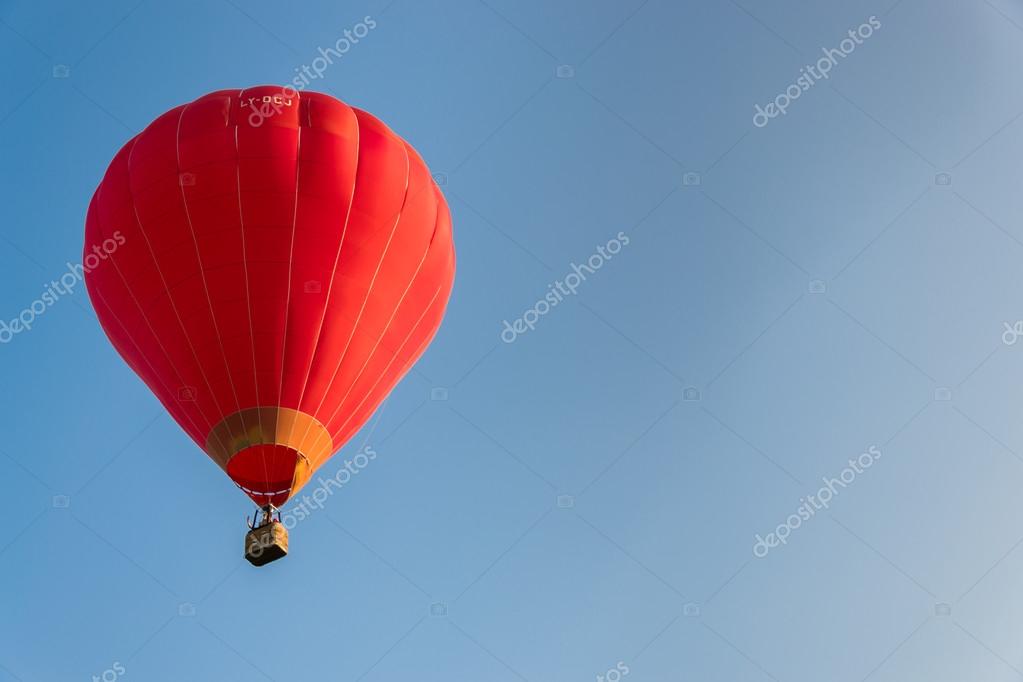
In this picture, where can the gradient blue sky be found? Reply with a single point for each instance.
(836, 280)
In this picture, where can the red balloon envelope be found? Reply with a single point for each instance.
(280, 264)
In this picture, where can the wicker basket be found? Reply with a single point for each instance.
(266, 543)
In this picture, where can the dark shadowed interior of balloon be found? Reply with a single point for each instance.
(265, 472)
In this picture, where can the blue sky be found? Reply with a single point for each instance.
(586, 498)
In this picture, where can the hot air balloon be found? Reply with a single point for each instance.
(282, 260)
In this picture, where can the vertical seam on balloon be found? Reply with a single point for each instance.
(333, 271)
(128, 335)
(387, 325)
(145, 317)
(202, 272)
(372, 281)
(245, 268)
(170, 298)
(291, 266)
(401, 348)
(411, 358)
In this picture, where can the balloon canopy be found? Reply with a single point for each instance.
(282, 260)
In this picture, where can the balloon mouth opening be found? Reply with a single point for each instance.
(267, 472)
(269, 452)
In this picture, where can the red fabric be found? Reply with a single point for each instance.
(301, 259)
